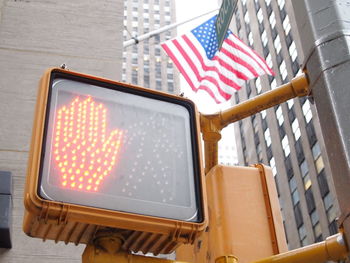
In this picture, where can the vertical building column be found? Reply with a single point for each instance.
(324, 28)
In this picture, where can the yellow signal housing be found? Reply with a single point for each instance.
(106, 154)
(244, 217)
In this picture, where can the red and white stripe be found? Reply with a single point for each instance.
(221, 76)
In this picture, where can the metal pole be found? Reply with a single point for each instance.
(324, 28)
(136, 40)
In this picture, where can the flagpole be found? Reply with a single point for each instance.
(136, 40)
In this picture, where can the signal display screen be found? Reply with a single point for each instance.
(117, 150)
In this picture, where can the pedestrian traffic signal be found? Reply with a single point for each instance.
(109, 154)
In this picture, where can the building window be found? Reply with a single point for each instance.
(319, 164)
(285, 146)
(146, 81)
(134, 79)
(260, 16)
(258, 85)
(250, 39)
(264, 38)
(307, 181)
(281, 4)
(304, 168)
(283, 70)
(158, 84)
(273, 166)
(307, 111)
(293, 51)
(267, 137)
(323, 185)
(263, 114)
(279, 116)
(272, 20)
(277, 44)
(246, 18)
(316, 151)
(170, 86)
(286, 25)
(296, 129)
(269, 60)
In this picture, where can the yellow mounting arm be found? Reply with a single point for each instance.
(211, 125)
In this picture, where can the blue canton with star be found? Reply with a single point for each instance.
(206, 35)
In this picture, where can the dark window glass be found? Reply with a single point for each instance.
(310, 201)
(298, 215)
(291, 114)
(310, 130)
(322, 182)
(289, 168)
(333, 228)
(299, 151)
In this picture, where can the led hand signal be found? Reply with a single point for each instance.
(83, 152)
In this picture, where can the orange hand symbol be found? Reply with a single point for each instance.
(82, 151)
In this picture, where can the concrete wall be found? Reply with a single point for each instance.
(35, 35)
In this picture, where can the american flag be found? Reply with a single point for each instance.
(220, 73)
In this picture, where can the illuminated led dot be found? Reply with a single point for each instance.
(57, 158)
(77, 171)
(72, 177)
(88, 187)
(64, 183)
(86, 173)
(105, 173)
(105, 162)
(74, 158)
(95, 188)
(65, 163)
(97, 182)
(90, 181)
(81, 179)
(70, 170)
(63, 169)
(80, 186)
(64, 176)
(94, 175)
(72, 184)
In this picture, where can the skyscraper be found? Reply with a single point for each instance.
(287, 137)
(145, 64)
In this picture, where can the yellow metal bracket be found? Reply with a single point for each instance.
(106, 247)
(211, 125)
(332, 249)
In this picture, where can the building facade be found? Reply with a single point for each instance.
(36, 35)
(286, 137)
(145, 64)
